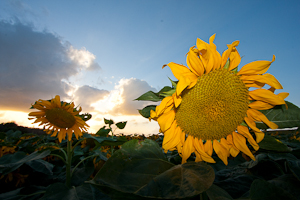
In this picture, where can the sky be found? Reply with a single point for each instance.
(104, 54)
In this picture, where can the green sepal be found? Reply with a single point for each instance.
(235, 70)
(169, 93)
(227, 64)
(244, 124)
(174, 83)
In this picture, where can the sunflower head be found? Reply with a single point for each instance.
(60, 118)
(212, 108)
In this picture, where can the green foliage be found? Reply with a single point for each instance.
(130, 170)
(152, 96)
(145, 112)
(11, 162)
(140, 170)
(284, 118)
(271, 143)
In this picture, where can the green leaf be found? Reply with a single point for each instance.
(82, 173)
(284, 118)
(164, 89)
(41, 166)
(11, 162)
(294, 166)
(181, 181)
(271, 143)
(145, 112)
(141, 168)
(132, 166)
(152, 96)
(100, 139)
(149, 96)
(108, 121)
(103, 131)
(217, 193)
(118, 141)
(121, 125)
(261, 189)
(85, 191)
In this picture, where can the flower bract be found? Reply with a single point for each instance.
(60, 118)
(213, 106)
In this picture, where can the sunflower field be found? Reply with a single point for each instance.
(225, 133)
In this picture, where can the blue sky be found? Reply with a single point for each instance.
(104, 54)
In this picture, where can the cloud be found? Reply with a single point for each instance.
(37, 65)
(86, 95)
(130, 89)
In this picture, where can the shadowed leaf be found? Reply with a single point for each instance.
(284, 118)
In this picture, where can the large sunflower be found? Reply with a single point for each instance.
(212, 107)
(59, 118)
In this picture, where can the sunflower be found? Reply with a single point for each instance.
(213, 106)
(59, 118)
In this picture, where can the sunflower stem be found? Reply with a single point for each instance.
(112, 136)
(68, 165)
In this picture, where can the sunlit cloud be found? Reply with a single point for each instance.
(39, 65)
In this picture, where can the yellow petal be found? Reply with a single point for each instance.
(194, 62)
(178, 70)
(188, 149)
(182, 84)
(235, 59)
(259, 134)
(214, 54)
(259, 117)
(224, 142)
(221, 151)
(260, 105)
(170, 134)
(208, 148)
(233, 150)
(56, 101)
(177, 99)
(243, 130)
(264, 79)
(227, 53)
(62, 134)
(240, 143)
(198, 157)
(166, 102)
(174, 141)
(37, 114)
(266, 96)
(69, 134)
(256, 67)
(200, 150)
(182, 137)
(165, 120)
